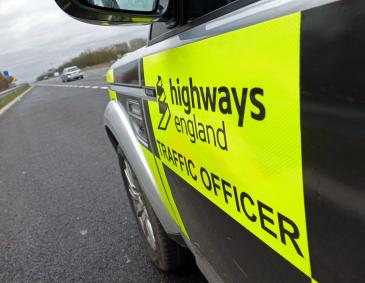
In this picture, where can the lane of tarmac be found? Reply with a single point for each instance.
(64, 215)
(92, 79)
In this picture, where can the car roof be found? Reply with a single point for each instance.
(72, 67)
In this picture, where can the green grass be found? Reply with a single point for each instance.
(7, 99)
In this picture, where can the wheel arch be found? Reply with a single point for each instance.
(121, 135)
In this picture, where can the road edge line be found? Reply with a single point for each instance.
(10, 104)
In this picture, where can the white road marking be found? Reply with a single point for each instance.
(77, 86)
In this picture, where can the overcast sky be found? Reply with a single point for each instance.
(36, 35)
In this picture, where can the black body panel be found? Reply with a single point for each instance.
(235, 253)
(333, 139)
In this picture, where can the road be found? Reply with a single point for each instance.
(64, 215)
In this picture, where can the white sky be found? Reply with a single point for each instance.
(36, 35)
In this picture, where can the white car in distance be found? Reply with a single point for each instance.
(71, 73)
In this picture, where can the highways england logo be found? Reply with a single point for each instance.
(192, 102)
(163, 106)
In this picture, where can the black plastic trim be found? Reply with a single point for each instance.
(203, 19)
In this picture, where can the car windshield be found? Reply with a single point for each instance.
(72, 69)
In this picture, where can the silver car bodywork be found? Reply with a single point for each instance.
(71, 73)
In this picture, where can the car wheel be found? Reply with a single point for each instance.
(165, 253)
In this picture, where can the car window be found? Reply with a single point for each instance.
(191, 10)
(194, 9)
(194, 13)
(72, 69)
(157, 29)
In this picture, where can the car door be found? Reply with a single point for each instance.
(227, 130)
(239, 131)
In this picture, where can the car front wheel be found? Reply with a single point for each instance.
(165, 253)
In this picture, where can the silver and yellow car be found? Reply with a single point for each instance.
(240, 132)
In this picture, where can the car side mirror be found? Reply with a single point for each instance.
(117, 12)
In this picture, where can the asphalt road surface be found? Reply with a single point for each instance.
(64, 215)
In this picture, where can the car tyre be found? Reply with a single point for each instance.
(165, 253)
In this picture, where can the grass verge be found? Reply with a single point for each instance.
(9, 98)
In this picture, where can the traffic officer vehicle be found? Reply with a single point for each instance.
(240, 131)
